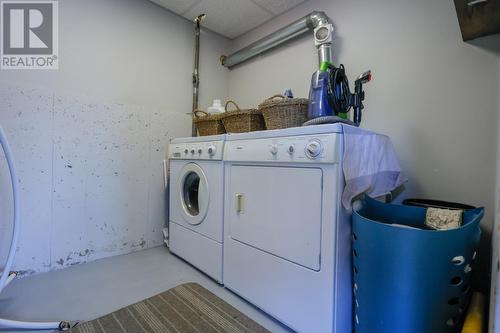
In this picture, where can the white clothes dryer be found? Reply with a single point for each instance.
(287, 239)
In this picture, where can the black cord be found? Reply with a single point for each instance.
(339, 94)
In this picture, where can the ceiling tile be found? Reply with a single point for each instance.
(278, 6)
(177, 6)
(230, 18)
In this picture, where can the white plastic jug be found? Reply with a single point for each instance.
(216, 107)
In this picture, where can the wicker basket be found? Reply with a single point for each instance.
(208, 124)
(239, 121)
(284, 112)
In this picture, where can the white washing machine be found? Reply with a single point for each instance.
(287, 239)
(196, 202)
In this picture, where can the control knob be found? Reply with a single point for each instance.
(192, 151)
(200, 151)
(186, 151)
(313, 148)
(212, 150)
(274, 149)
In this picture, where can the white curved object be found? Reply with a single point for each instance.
(6, 276)
(5, 323)
(17, 209)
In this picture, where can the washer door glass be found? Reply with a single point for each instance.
(194, 194)
(191, 190)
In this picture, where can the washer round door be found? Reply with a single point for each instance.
(194, 194)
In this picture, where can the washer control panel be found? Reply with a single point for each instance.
(196, 151)
(301, 149)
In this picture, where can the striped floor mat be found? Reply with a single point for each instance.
(183, 309)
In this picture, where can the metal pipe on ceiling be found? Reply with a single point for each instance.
(294, 29)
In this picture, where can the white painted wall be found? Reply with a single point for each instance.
(433, 94)
(89, 139)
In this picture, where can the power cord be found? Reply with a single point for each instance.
(339, 94)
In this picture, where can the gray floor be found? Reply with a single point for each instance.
(91, 290)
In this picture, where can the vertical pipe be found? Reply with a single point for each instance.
(325, 54)
(196, 75)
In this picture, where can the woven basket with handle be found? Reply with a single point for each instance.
(208, 124)
(242, 120)
(283, 112)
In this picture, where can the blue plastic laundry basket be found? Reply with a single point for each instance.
(410, 280)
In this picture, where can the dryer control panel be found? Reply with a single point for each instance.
(298, 149)
(196, 151)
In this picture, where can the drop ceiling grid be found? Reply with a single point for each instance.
(194, 4)
(177, 6)
(230, 18)
(277, 7)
